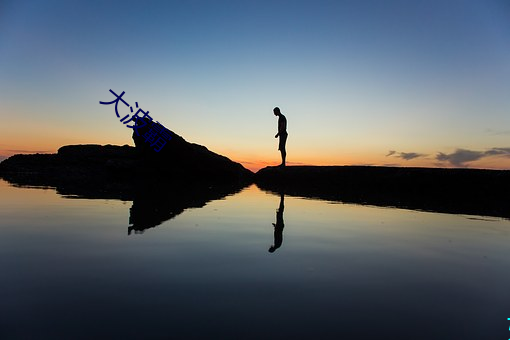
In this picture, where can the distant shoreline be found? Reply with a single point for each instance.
(118, 172)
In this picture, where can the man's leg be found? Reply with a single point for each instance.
(283, 141)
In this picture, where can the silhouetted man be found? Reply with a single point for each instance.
(282, 133)
(278, 226)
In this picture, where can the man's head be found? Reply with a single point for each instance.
(276, 111)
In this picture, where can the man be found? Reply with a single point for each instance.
(282, 133)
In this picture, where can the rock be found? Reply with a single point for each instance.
(120, 169)
(460, 191)
(187, 160)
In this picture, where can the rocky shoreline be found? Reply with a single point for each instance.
(128, 173)
(459, 191)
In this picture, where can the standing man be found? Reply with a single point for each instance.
(282, 133)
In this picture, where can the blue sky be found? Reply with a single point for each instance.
(361, 82)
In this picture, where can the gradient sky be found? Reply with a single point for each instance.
(394, 82)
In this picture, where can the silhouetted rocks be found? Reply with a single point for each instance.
(75, 168)
(153, 205)
(119, 170)
(161, 185)
(462, 191)
(187, 160)
(137, 173)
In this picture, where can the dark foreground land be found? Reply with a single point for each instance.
(460, 191)
(187, 174)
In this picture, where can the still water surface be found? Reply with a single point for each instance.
(69, 270)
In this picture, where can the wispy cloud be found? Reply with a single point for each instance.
(497, 132)
(405, 155)
(410, 155)
(498, 152)
(460, 157)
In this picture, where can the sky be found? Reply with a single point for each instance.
(361, 82)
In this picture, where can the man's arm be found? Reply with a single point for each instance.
(281, 127)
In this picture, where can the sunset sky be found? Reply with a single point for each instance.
(394, 82)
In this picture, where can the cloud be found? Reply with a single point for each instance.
(460, 157)
(498, 132)
(410, 155)
(498, 152)
(405, 155)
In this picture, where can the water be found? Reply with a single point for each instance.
(70, 271)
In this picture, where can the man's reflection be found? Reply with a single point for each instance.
(278, 226)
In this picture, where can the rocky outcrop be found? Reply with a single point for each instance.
(159, 189)
(80, 167)
(120, 168)
(186, 160)
(131, 173)
(460, 191)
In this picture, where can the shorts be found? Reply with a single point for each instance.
(283, 140)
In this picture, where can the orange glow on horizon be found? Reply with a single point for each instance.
(259, 161)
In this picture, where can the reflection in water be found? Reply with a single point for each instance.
(279, 225)
(360, 273)
(152, 207)
(154, 201)
(454, 191)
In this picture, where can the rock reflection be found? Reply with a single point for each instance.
(154, 201)
(152, 207)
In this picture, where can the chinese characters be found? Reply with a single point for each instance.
(156, 136)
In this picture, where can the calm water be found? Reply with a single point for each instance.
(70, 270)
